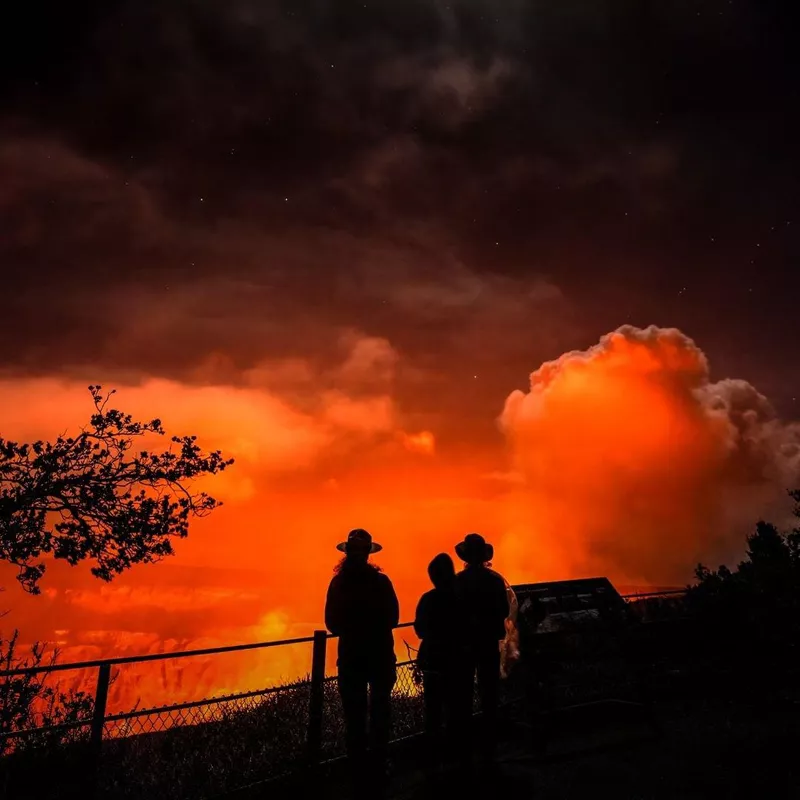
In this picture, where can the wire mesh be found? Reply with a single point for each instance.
(408, 715)
(407, 712)
(205, 748)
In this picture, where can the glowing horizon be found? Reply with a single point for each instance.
(624, 460)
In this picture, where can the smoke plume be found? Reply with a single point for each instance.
(635, 464)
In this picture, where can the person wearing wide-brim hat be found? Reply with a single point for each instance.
(362, 609)
(359, 541)
(485, 606)
(474, 549)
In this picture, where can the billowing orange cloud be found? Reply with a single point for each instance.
(635, 463)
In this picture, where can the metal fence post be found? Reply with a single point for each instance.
(98, 722)
(317, 697)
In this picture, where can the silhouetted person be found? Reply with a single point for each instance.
(362, 609)
(441, 655)
(482, 595)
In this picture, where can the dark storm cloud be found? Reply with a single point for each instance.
(315, 83)
(140, 293)
(254, 98)
(184, 178)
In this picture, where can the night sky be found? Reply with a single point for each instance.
(377, 219)
(484, 184)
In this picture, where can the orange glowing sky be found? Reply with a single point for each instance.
(333, 241)
(622, 460)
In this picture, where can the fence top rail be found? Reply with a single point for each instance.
(210, 651)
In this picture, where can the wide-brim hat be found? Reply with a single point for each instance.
(359, 539)
(474, 548)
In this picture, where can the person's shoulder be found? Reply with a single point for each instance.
(382, 578)
(496, 576)
(336, 580)
(336, 587)
(496, 579)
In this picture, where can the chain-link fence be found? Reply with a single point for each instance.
(192, 749)
(206, 747)
(407, 712)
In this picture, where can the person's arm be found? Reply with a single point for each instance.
(503, 607)
(421, 617)
(392, 605)
(513, 605)
(333, 609)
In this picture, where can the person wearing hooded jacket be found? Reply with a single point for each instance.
(438, 623)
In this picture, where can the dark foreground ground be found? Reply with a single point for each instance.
(722, 721)
(737, 750)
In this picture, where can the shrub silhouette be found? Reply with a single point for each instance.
(763, 590)
(31, 701)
